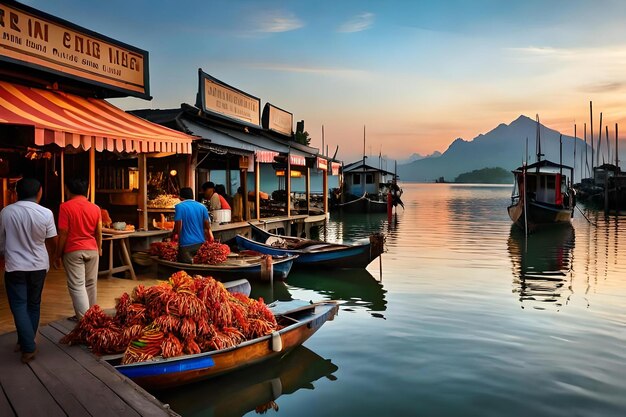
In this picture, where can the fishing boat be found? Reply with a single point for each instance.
(236, 266)
(542, 193)
(366, 188)
(298, 320)
(313, 252)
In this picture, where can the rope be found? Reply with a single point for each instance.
(586, 218)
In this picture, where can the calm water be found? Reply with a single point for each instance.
(470, 320)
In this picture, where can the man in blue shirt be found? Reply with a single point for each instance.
(191, 225)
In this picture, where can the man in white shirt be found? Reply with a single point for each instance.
(27, 240)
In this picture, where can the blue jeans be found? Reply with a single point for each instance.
(24, 293)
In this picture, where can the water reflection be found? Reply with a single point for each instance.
(542, 265)
(271, 291)
(255, 388)
(356, 287)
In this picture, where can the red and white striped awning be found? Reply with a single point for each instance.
(335, 168)
(297, 160)
(322, 164)
(265, 157)
(66, 119)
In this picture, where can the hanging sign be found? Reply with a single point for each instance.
(223, 100)
(38, 40)
(277, 120)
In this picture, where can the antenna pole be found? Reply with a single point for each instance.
(591, 117)
(575, 140)
(599, 142)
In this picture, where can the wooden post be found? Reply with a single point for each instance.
(62, 176)
(143, 191)
(257, 188)
(308, 190)
(288, 184)
(325, 187)
(228, 187)
(5, 192)
(244, 189)
(92, 173)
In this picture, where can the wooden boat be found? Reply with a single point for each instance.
(236, 266)
(313, 252)
(542, 193)
(300, 320)
(253, 388)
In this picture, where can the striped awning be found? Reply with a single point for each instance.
(298, 160)
(265, 157)
(69, 120)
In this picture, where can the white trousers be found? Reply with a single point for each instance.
(81, 268)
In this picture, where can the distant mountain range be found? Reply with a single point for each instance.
(501, 147)
(417, 157)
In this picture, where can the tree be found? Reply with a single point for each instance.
(302, 137)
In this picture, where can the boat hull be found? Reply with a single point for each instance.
(357, 256)
(281, 268)
(183, 370)
(362, 205)
(539, 214)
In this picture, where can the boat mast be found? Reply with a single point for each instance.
(560, 157)
(591, 132)
(608, 146)
(363, 178)
(575, 140)
(538, 141)
(586, 164)
(599, 142)
(616, 153)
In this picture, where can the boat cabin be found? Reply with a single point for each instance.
(603, 173)
(360, 178)
(546, 182)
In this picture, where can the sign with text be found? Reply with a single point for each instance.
(219, 98)
(278, 120)
(35, 39)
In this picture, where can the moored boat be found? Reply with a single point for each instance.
(542, 193)
(235, 267)
(313, 252)
(298, 319)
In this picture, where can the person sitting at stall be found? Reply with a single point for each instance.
(225, 199)
(213, 200)
(192, 226)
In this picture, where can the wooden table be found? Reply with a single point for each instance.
(124, 246)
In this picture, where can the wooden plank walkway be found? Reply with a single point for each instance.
(68, 381)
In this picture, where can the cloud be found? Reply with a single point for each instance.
(327, 71)
(603, 87)
(358, 23)
(277, 21)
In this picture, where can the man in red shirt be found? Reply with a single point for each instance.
(80, 245)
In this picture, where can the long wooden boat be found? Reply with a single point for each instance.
(313, 252)
(542, 195)
(300, 320)
(238, 266)
(253, 388)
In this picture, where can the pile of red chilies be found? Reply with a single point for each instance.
(184, 315)
(211, 253)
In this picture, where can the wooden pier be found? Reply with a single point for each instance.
(68, 381)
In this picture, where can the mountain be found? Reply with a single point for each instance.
(501, 147)
(417, 157)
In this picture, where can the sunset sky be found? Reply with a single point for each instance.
(418, 74)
